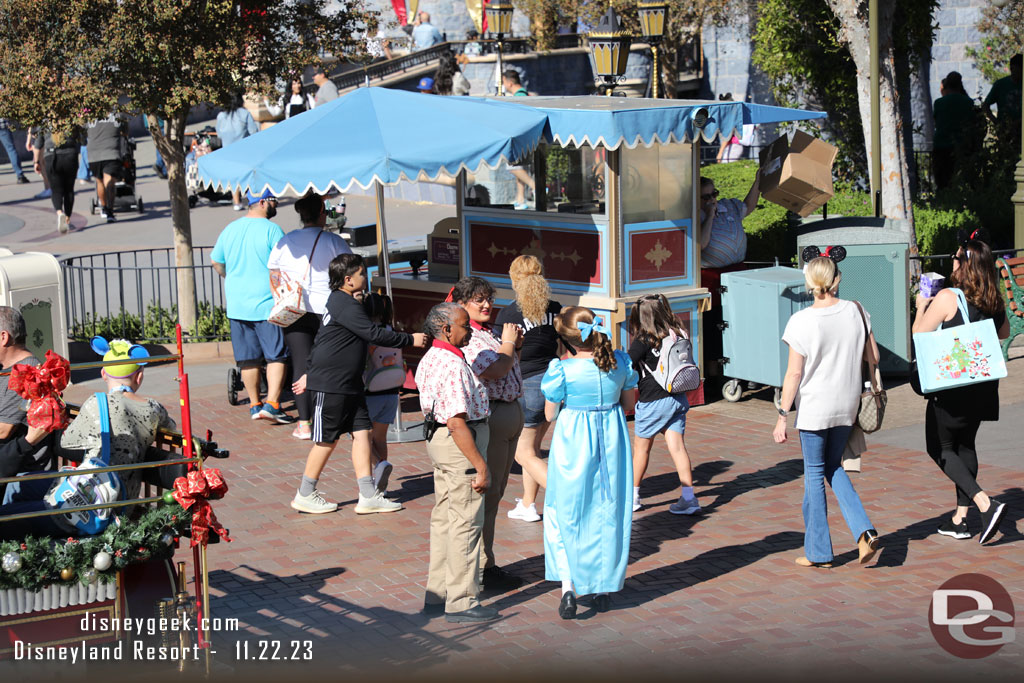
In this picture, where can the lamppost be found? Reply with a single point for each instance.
(653, 17)
(1018, 176)
(499, 22)
(610, 46)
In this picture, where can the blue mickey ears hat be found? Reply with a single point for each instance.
(120, 349)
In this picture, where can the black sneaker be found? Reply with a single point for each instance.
(22, 180)
(990, 519)
(954, 530)
(110, 216)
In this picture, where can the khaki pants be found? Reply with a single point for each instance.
(505, 423)
(455, 524)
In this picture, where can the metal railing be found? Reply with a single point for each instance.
(121, 292)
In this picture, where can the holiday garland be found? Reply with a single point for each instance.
(37, 562)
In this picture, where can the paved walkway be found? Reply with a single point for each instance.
(716, 595)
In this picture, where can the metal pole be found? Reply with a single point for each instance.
(654, 72)
(501, 80)
(876, 133)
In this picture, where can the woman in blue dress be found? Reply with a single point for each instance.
(590, 468)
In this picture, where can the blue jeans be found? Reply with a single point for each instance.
(160, 163)
(823, 452)
(7, 139)
(28, 496)
(83, 164)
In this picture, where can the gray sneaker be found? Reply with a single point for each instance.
(376, 503)
(684, 506)
(314, 503)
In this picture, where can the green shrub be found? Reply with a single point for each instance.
(157, 325)
(937, 228)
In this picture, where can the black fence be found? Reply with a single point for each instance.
(134, 295)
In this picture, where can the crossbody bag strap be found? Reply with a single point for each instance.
(104, 410)
(876, 383)
(312, 251)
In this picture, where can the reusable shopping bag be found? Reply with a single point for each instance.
(288, 306)
(961, 355)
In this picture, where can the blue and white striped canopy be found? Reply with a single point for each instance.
(375, 135)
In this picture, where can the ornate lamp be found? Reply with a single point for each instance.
(653, 19)
(610, 46)
(499, 22)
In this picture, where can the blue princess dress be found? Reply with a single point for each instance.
(587, 506)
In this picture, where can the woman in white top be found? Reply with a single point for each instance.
(826, 347)
(291, 258)
(291, 103)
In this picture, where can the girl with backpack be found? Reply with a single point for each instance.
(385, 375)
(654, 329)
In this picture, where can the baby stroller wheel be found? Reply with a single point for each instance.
(95, 206)
(141, 206)
(732, 390)
(234, 380)
(192, 201)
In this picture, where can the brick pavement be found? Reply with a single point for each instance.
(711, 595)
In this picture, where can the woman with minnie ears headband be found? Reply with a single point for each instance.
(953, 416)
(827, 343)
(588, 515)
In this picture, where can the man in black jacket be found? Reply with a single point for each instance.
(334, 375)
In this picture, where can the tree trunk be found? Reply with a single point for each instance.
(171, 143)
(896, 191)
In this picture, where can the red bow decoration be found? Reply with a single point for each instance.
(43, 384)
(196, 488)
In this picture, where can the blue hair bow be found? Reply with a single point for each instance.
(586, 328)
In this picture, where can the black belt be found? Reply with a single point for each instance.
(469, 423)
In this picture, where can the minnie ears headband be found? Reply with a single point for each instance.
(836, 253)
(964, 236)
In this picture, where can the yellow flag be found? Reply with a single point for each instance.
(476, 13)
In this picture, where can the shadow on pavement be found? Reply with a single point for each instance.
(776, 475)
(296, 608)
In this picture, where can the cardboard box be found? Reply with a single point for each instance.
(797, 175)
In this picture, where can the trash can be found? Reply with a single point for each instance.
(756, 305)
(33, 284)
(875, 273)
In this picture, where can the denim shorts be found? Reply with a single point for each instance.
(532, 401)
(254, 341)
(382, 407)
(653, 417)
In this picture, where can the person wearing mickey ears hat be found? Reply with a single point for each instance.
(134, 422)
(455, 408)
(827, 343)
(240, 256)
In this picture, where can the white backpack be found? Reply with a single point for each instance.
(676, 372)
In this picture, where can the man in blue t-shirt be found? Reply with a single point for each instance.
(240, 256)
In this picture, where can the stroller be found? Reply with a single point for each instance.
(125, 198)
(203, 142)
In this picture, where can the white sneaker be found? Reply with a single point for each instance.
(62, 223)
(314, 503)
(376, 503)
(523, 512)
(381, 474)
(636, 502)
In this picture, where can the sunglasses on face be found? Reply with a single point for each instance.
(710, 195)
(481, 300)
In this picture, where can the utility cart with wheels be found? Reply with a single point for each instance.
(756, 305)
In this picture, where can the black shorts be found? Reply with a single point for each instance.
(110, 167)
(337, 414)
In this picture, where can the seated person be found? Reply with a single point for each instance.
(722, 240)
(134, 422)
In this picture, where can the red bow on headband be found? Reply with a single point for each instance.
(43, 384)
(195, 489)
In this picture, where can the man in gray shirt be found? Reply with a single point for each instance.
(12, 352)
(104, 149)
(326, 90)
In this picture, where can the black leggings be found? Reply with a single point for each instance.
(950, 443)
(299, 338)
(62, 170)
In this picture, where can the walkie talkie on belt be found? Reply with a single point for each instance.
(430, 423)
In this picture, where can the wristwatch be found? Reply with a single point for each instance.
(783, 413)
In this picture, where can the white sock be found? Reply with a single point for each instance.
(688, 492)
(566, 587)
(636, 491)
